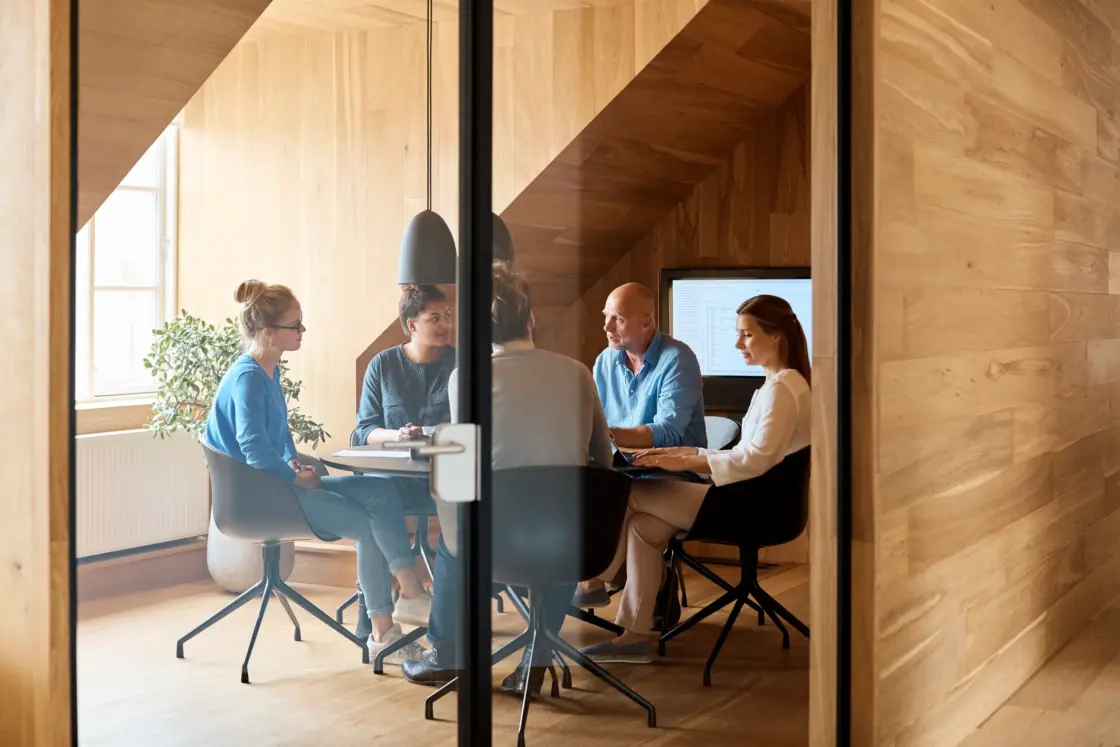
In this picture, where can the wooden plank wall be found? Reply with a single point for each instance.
(303, 159)
(35, 401)
(995, 363)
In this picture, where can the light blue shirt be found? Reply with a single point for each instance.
(667, 394)
(249, 419)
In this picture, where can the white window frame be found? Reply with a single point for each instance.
(167, 196)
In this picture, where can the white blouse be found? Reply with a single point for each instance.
(777, 424)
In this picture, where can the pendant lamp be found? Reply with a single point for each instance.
(428, 249)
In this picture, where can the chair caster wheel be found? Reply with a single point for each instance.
(244, 678)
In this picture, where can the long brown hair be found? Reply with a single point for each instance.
(776, 317)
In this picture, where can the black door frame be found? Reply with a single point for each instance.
(476, 251)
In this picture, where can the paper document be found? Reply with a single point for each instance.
(359, 452)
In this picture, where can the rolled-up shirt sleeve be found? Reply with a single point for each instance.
(677, 400)
(370, 414)
(766, 445)
(250, 403)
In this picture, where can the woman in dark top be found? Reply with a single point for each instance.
(405, 387)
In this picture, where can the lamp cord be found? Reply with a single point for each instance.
(429, 45)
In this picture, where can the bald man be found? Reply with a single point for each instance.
(649, 383)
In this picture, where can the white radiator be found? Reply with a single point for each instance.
(134, 490)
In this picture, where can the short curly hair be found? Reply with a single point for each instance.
(413, 300)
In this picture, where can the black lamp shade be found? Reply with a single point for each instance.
(428, 254)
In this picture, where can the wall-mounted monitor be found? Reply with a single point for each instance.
(697, 307)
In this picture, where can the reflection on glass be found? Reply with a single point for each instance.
(81, 315)
(127, 246)
(122, 334)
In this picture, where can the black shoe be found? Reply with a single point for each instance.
(428, 671)
(514, 684)
(666, 606)
(365, 626)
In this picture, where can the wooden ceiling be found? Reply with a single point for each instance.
(139, 63)
(734, 64)
(285, 16)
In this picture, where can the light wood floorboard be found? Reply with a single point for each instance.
(133, 691)
(1073, 701)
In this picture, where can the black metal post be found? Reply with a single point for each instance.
(476, 64)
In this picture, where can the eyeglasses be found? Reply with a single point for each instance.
(294, 327)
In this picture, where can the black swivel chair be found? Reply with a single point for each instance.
(769, 510)
(255, 505)
(551, 526)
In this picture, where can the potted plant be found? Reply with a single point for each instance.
(187, 360)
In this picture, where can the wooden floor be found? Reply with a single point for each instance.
(133, 691)
(1073, 701)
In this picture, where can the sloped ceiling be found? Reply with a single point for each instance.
(736, 62)
(139, 62)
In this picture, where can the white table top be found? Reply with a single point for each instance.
(370, 460)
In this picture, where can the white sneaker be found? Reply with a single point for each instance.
(412, 652)
(414, 610)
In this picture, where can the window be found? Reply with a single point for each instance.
(125, 276)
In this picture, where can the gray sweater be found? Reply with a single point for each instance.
(546, 412)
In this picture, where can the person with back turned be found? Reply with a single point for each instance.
(545, 413)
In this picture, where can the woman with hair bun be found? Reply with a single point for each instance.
(248, 421)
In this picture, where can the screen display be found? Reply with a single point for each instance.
(702, 315)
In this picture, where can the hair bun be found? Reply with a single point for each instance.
(250, 291)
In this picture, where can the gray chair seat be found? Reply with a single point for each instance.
(257, 506)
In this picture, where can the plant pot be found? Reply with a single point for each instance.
(236, 564)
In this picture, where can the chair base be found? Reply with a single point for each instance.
(536, 634)
(748, 592)
(271, 586)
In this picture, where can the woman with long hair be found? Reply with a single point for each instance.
(777, 424)
(248, 421)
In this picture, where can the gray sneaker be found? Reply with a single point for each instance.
(595, 598)
(609, 652)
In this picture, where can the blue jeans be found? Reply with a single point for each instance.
(368, 511)
(443, 623)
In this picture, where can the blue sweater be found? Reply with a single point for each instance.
(249, 419)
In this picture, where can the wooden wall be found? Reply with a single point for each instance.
(752, 211)
(822, 504)
(303, 159)
(995, 348)
(35, 401)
